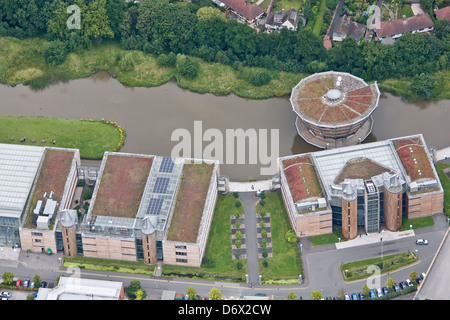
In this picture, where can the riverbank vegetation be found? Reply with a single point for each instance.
(127, 39)
(91, 137)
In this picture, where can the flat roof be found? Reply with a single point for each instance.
(19, 165)
(120, 186)
(330, 162)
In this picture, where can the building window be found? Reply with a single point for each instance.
(37, 234)
(180, 247)
(178, 253)
(182, 260)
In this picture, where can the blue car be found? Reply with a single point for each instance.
(372, 294)
(355, 296)
(361, 296)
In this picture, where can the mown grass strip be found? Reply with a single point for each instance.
(91, 137)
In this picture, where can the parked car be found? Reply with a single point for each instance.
(379, 293)
(372, 294)
(422, 241)
(361, 296)
(409, 283)
(385, 290)
(34, 294)
(347, 297)
(423, 275)
(418, 280)
(5, 294)
(396, 287)
(259, 192)
(402, 285)
(26, 283)
(355, 296)
(32, 285)
(43, 284)
(19, 282)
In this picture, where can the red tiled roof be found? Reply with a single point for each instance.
(248, 10)
(391, 28)
(443, 14)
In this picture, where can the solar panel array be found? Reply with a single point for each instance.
(161, 185)
(166, 165)
(154, 206)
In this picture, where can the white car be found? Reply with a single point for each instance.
(5, 294)
(422, 241)
(409, 283)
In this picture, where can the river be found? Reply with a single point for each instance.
(151, 115)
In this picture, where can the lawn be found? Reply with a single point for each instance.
(285, 263)
(92, 138)
(318, 21)
(105, 265)
(445, 181)
(218, 249)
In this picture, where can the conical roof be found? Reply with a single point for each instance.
(68, 218)
(149, 225)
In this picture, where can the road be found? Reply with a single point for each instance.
(321, 266)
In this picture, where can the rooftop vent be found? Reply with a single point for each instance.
(333, 95)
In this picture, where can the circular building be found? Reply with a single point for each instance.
(334, 108)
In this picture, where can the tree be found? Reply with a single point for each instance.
(95, 21)
(260, 78)
(316, 295)
(210, 14)
(292, 296)
(290, 236)
(133, 290)
(214, 294)
(412, 275)
(37, 280)
(366, 290)
(7, 277)
(188, 67)
(191, 293)
(390, 282)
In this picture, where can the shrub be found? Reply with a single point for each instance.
(237, 224)
(260, 78)
(236, 195)
(265, 263)
(262, 202)
(263, 243)
(264, 233)
(167, 60)
(238, 244)
(187, 67)
(237, 204)
(264, 253)
(238, 235)
(239, 265)
(55, 52)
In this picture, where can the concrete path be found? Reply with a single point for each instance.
(250, 200)
(443, 154)
(416, 8)
(250, 186)
(374, 238)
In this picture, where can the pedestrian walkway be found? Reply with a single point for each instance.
(443, 154)
(374, 238)
(250, 186)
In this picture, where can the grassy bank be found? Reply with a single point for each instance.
(91, 137)
(445, 181)
(21, 61)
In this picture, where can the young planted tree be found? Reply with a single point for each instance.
(214, 294)
(191, 293)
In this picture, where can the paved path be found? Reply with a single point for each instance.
(250, 200)
(443, 154)
(375, 238)
(250, 186)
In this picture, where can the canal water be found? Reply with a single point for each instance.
(151, 115)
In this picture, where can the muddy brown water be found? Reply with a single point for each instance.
(151, 115)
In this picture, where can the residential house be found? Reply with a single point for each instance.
(347, 27)
(277, 20)
(389, 31)
(443, 14)
(244, 10)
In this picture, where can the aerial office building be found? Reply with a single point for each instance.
(334, 109)
(360, 188)
(149, 208)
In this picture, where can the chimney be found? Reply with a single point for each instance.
(282, 11)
